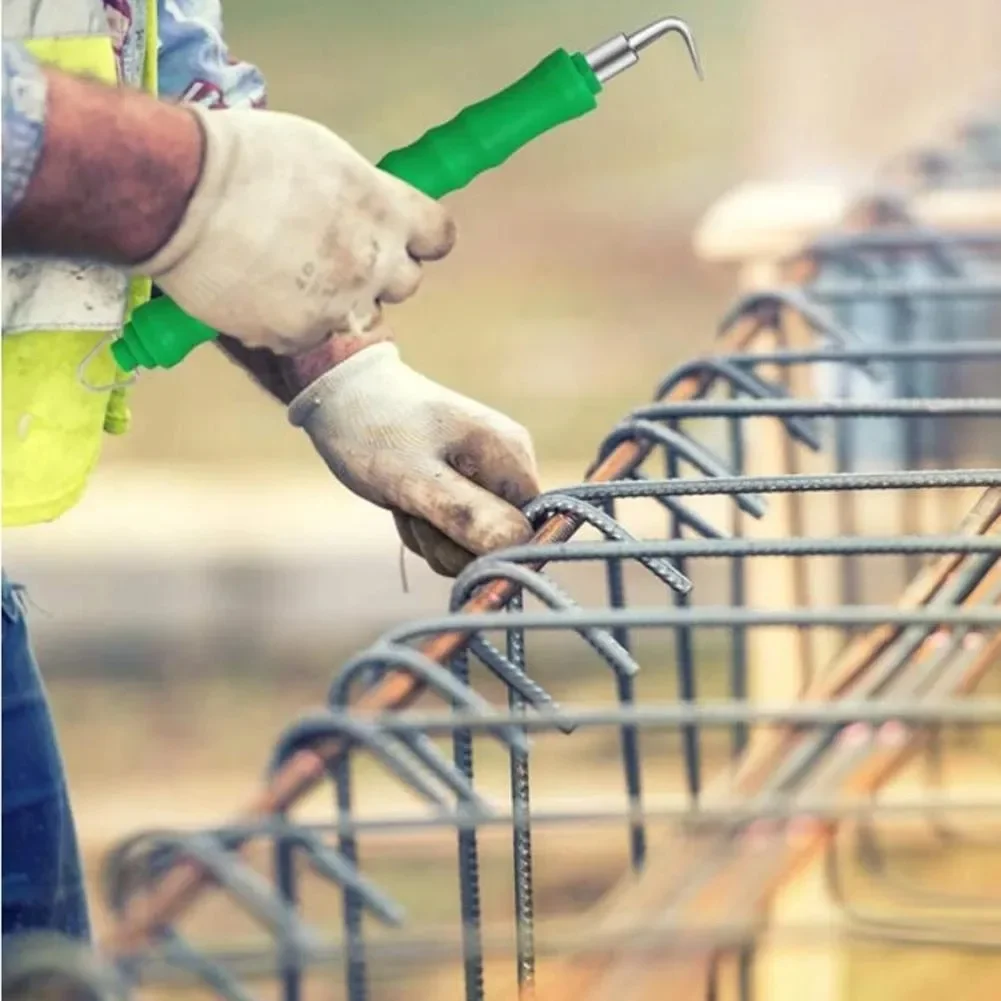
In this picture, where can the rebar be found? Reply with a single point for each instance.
(872, 352)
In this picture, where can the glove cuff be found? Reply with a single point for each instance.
(340, 380)
(220, 141)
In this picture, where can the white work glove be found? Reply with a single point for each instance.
(291, 234)
(453, 472)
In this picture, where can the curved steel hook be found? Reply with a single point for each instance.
(640, 39)
(622, 51)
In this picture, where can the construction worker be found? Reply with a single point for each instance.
(266, 226)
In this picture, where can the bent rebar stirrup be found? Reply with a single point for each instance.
(821, 599)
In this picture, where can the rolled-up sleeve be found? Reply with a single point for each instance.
(194, 61)
(24, 92)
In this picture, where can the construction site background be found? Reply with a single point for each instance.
(175, 650)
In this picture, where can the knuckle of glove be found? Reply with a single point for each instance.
(401, 279)
(440, 236)
(428, 228)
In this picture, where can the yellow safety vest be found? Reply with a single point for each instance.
(56, 313)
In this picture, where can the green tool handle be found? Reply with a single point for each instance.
(482, 136)
(562, 87)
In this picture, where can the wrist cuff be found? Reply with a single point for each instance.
(218, 142)
(334, 381)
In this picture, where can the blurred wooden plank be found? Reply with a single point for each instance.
(768, 222)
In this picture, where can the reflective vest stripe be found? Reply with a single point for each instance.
(89, 55)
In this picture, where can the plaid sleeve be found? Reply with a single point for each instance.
(24, 91)
(194, 62)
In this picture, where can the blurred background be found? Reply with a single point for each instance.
(215, 575)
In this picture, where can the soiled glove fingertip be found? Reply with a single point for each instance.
(442, 554)
(519, 492)
(511, 529)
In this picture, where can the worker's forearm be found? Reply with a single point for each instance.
(285, 377)
(114, 176)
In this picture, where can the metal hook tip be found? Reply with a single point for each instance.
(658, 29)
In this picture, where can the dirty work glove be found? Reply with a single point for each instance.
(291, 234)
(453, 472)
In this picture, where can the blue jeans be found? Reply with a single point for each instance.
(42, 879)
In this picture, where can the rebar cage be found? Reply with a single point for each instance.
(745, 648)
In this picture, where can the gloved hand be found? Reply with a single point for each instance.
(453, 472)
(291, 234)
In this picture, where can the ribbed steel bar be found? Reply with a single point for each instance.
(882, 305)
